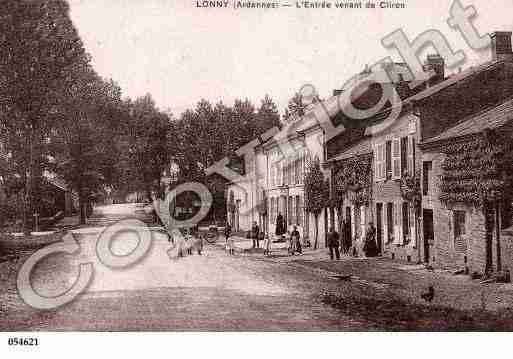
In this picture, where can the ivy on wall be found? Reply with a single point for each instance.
(411, 192)
(354, 175)
(477, 171)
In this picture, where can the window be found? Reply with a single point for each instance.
(411, 156)
(299, 211)
(362, 221)
(293, 213)
(406, 222)
(379, 159)
(290, 212)
(297, 170)
(390, 222)
(459, 223)
(404, 155)
(388, 159)
(396, 159)
(427, 166)
(290, 175)
(460, 243)
(271, 210)
(279, 180)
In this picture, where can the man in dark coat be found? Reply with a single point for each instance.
(296, 240)
(333, 243)
(255, 232)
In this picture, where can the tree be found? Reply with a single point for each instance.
(40, 47)
(145, 146)
(82, 145)
(267, 115)
(316, 193)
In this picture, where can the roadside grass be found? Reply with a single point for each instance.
(395, 314)
(14, 313)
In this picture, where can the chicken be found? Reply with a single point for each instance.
(429, 295)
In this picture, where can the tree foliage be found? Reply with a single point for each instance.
(208, 134)
(41, 50)
(316, 193)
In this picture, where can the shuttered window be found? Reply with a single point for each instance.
(380, 160)
(396, 159)
(299, 211)
(411, 156)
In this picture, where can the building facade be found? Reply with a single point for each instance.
(277, 168)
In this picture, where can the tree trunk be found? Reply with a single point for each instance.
(489, 238)
(82, 204)
(316, 230)
(28, 184)
(498, 234)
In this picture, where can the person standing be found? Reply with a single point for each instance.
(280, 226)
(296, 241)
(333, 243)
(229, 242)
(267, 245)
(370, 248)
(255, 232)
(345, 237)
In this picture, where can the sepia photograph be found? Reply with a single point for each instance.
(255, 166)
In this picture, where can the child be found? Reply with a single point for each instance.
(231, 246)
(267, 245)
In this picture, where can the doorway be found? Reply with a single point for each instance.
(349, 222)
(427, 221)
(379, 226)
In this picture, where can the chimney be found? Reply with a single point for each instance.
(337, 92)
(501, 46)
(436, 64)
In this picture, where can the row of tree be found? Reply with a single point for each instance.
(58, 116)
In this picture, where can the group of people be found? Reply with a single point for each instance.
(337, 243)
(345, 242)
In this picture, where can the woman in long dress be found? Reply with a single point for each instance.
(280, 226)
(370, 247)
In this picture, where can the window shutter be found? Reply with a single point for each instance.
(385, 223)
(377, 170)
(362, 222)
(397, 226)
(413, 224)
(396, 159)
(383, 173)
(410, 156)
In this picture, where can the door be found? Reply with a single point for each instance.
(379, 226)
(427, 225)
(349, 222)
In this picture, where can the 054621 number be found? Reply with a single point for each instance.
(23, 341)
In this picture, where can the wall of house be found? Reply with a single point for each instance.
(308, 146)
(245, 213)
(398, 244)
(507, 249)
(446, 251)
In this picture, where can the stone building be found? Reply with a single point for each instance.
(275, 182)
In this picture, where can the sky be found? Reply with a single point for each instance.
(180, 53)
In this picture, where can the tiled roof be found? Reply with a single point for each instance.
(360, 148)
(453, 80)
(488, 119)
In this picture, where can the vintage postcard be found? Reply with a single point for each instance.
(255, 166)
